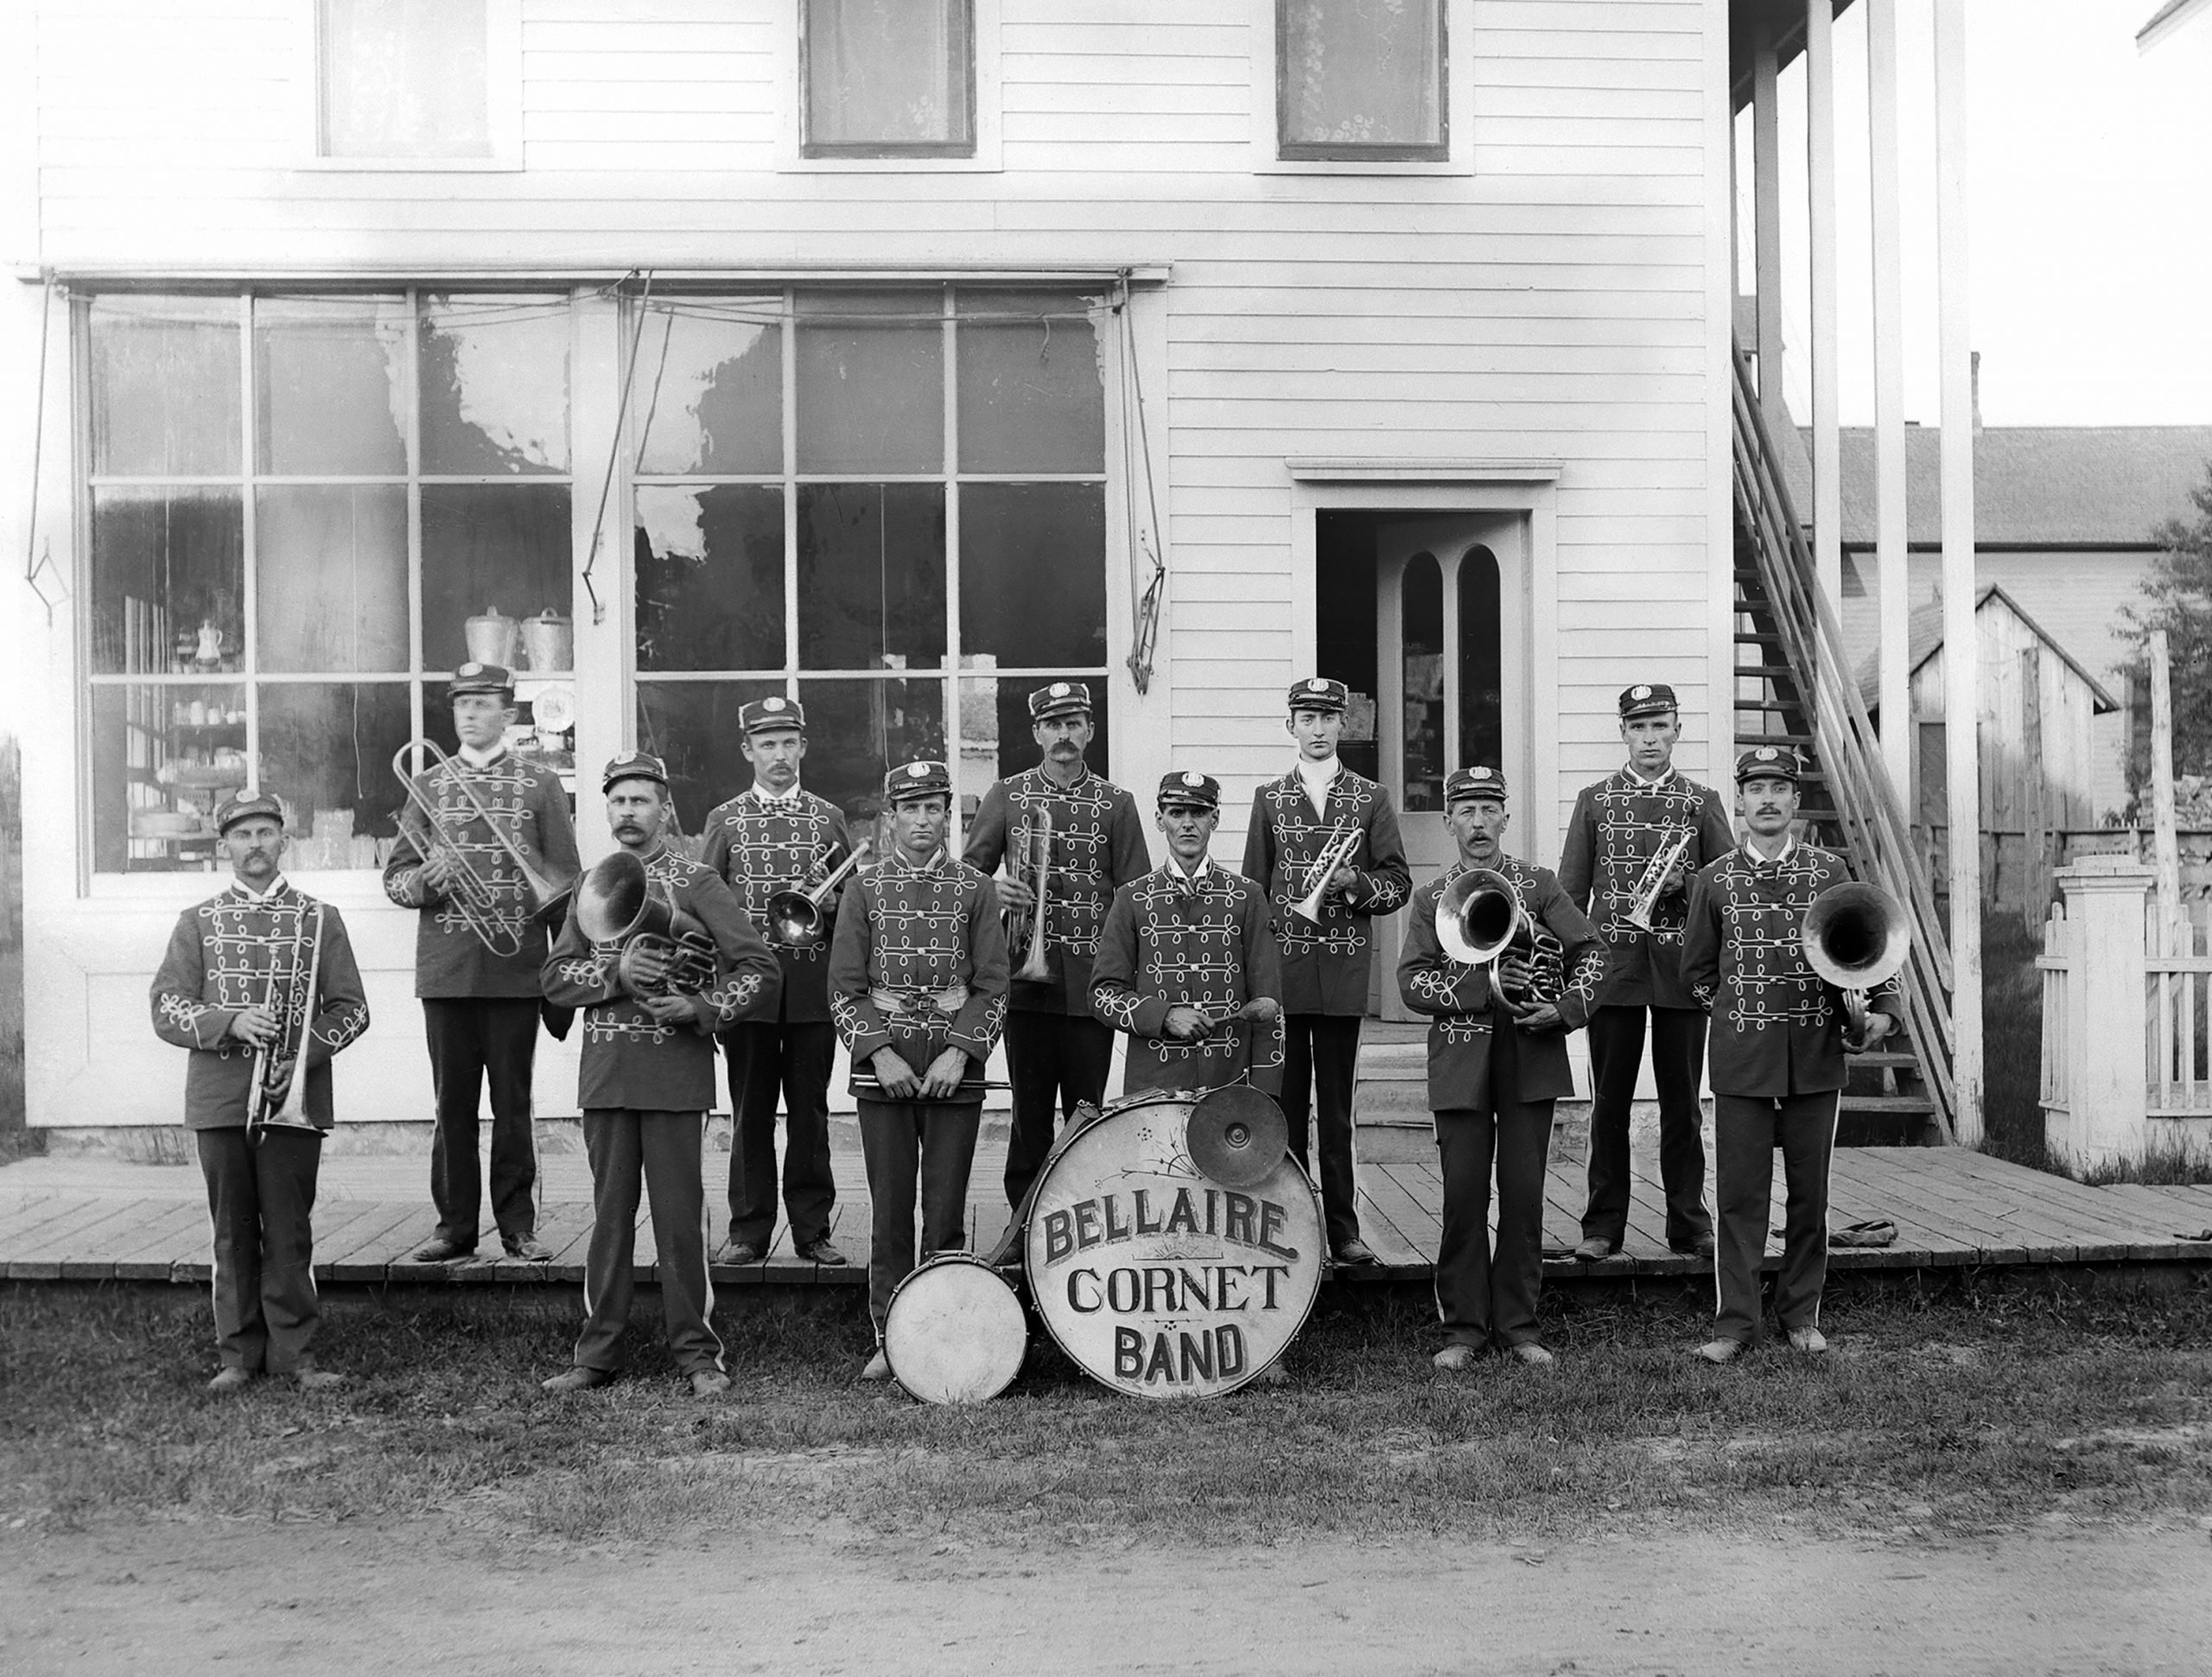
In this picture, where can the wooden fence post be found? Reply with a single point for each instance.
(2106, 1053)
(2035, 786)
(2168, 845)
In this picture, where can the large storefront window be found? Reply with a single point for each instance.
(305, 511)
(890, 506)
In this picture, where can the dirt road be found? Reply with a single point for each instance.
(299, 1599)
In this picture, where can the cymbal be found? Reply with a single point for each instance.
(1237, 1136)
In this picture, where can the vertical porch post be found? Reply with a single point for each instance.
(1766, 225)
(1891, 533)
(1820, 168)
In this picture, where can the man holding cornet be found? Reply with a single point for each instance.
(658, 956)
(1778, 1043)
(1188, 964)
(1632, 844)
(1504, 968)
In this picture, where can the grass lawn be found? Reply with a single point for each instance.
(1984, 1406)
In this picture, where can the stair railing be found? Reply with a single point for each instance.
(1870, 814)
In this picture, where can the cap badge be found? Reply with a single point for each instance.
(1060, 689)
(1317, 685)
(772, 704)
(1639, 693)
(1191, 780)
(1768, 754)
(918, 768)
(471, 669)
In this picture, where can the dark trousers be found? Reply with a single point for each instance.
(1056, 1061)
(1677, 1062)
(795, 1059)
(476, 1040)
(1747, 1131)
(931, 1143)
(662, 1148)
(261, 1203)
(1481, 1298)
(1320, 1062)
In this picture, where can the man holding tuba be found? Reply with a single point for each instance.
(1076, 838)
(1322, 844)
(775, 837)
(479, 946)
(1632, 844)
(250, 976)
(648, 1072)
(1496, 1063)
(1778, 1053)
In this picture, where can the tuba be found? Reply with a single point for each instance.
(1648, 888)
(1855, 937)
(1335, 855)
(1026, 926)
(796, 915)
(279, 1095)
(475, 897)
(1480, 918)
(617, 903)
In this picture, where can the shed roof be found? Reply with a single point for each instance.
(1925, 639)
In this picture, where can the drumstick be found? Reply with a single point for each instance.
(865, 1080)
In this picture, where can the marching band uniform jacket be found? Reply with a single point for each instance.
(1778, 1026)
(222, 958)
(1203, 942)
(1456, 997)
(526, 799)
(1325, 966)
(760, 844)
(919, 963)
(1618, 826)
(1098, 846)
(630, 1058)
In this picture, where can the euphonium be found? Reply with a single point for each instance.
(1480, 918)
(1648, 888)
(617, 902)
(1038, 865)
(265, 1111)
(796, 915)
(1856, 936)
(475, 897)
(1336, 855)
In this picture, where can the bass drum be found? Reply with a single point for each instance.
(955, 1332)
(1156, 1279)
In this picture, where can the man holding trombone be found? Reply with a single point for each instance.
(260, 984)
(484, 846)
(785, 855)
(1632, 844)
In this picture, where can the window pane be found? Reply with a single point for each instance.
(1421, 634)
(405, 78)
(711, 389)
(871, 382)
(330, 571)
(163, 758)
(331, 383)
(1030, 399)
(327, 750)
(856, 730)
(886, 76)
(495, 384)
(997, 739)
(692, 726)
(491, 551)
(1361, 77)
(168, 581)
(710, 577)
(1033, 573)
(871, 575)
(165, 385)
(1482, 668)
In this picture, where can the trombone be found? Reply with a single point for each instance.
(796, 915)
(1855, 937)
(1029, 924)
(1646, 901)
(1338, 854)
(265, 1111)
(476, 896)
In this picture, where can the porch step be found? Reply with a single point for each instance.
(1756, 637)
(1895, 1106)
(1765, 671)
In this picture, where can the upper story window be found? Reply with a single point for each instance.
(419, 83)
(887, 78)
(1361, 81)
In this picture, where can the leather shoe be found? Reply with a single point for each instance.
(529, 1249)
(1596, 1250)
(1357, 1252)
(1534, 1356)
(578, 1379)
(734, 1251)
(439, 1250)
(1699, 1247)
(708, 1382)
(1455, 1357)
(1721, 1350)
(878, 1366)
(823, 1251)
(232, 1380)
(317, 1379)
(1811, 1341)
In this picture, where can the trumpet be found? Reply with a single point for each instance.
(1855, 937)
(796, 915)
(617, 903)
(267, 1110)
(1480, 918)
(1336, 855)
(476, 897)
(1646, 902)
(1029, 924)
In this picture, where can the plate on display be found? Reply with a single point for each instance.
(553, 708)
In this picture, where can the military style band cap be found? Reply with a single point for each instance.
(772, 715)
(240, 806)
(1190, 790)
(1773, 762)
(1320, 693)
(473, 678)
(920, 778)
(1463, 784)
(633, 765)
(1059, 699)
(1647, 699)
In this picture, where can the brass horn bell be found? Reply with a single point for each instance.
(1855, 937)
(1478, 916)
(617, 903)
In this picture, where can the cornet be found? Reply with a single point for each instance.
(617, 903)
(1856, 936)
(476, 897)
(1654, 881)
(795, 916)
(1324, 869)
(1038, 865)
(266, 1111)
(1480, 918)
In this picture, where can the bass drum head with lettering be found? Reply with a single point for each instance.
(955, 1332)
(1157, 1279)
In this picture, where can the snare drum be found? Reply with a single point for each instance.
(955, 1332)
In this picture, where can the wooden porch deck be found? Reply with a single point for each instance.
(98, 1219)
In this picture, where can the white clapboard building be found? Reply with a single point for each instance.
(895, 355)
